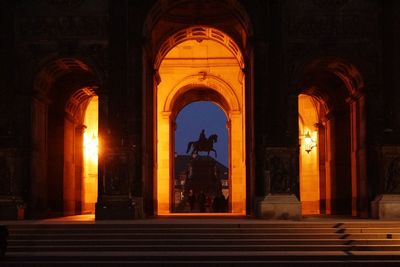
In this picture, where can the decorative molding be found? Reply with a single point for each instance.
(63, 27)
(65, 4)
(330, 4)
(349, 26)
(199, 33)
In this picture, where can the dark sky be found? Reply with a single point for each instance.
(197, 116)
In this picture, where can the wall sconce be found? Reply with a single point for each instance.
(309, 143)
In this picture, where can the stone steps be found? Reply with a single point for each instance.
(128, 242)
(214, 243)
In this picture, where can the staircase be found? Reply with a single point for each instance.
(205, 243)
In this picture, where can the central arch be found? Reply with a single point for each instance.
(200, 68)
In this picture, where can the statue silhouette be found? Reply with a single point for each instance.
(203, 144)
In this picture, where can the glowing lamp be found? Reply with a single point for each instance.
(91, 146)
(309, 143)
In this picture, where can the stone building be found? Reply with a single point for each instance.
(310, 90)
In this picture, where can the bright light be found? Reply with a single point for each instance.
(309, 142)
(91, 146)
(308, 156)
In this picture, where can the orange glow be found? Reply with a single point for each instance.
(198, 65)
(90, 144)
(309, 168)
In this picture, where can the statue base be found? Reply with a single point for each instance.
(115, 209)
(11, 209)
(386, 207)
(279, 206)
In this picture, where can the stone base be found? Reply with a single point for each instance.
(282, 207)
(386, 207)
(115, 209)
(11, 209)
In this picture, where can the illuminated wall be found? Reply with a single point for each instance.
(202, 65)
(90, 145)
(309, 165)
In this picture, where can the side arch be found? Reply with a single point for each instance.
(62, 89)
(339, 85)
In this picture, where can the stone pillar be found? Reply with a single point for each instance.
(117, 147)
(79, 131)
(281, 184)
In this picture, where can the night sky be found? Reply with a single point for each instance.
(197, 116)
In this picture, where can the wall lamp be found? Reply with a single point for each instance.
(309, 143)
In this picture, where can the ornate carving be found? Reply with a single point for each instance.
(342, 25)
(65, 4)
(116, 175)
(330, 4)
(392, 177)
(61, 27)
(7, 171)
(281, 175)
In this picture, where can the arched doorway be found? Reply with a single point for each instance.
(332, 140)
(170, 23)
(201, 68)
(64, 113)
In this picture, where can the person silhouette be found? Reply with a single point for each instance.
(202, 137)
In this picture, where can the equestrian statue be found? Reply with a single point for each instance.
(203, 144)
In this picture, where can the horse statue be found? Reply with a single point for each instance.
(203, 145)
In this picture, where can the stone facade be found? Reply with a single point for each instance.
(343, 52)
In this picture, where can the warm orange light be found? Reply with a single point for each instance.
(309, 164)
(309, 142)
(90, 147)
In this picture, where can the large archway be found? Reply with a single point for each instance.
(170, 23)
(332, 113)
(201, 69)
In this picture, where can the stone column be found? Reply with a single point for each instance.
(116, 122)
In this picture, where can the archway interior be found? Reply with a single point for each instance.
(80, 146)
(200, 178)
(310, 193)
(200, 69)
(326, 171)
(90, 150)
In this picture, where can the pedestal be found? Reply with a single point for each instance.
(115, 209)
(280, 206)
(11, 209)
(204, 176)
(386, 207)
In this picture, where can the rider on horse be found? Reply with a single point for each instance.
(203, 144)
(202, 137)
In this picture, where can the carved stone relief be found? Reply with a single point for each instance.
(280, 171)
(43, 28)
(392, 177)
(7, 171)
(389, 161)
(339, 25)
(65, 4)
(330, 4)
